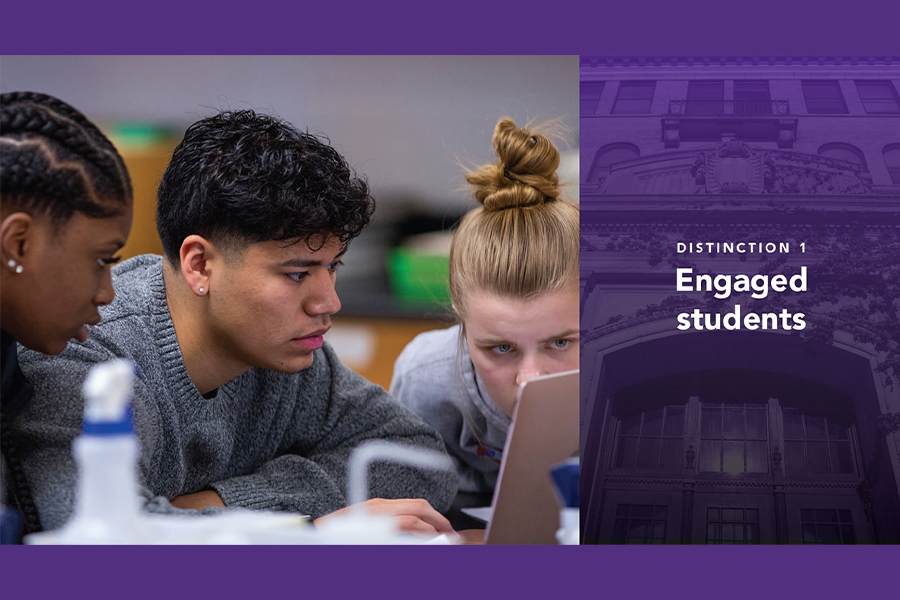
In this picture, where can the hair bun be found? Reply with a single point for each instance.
(525, 173)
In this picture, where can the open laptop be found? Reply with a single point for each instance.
(544, 432)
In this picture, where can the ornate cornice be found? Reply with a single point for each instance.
(736, 169)
(717, 482)
(645, 480)
(829, 485)
(742, 61)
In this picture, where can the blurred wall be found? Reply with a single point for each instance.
(405, 122)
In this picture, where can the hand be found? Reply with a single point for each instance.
(413, 515)
(198, 500)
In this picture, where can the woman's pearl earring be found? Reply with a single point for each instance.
(201, 290)
(12, 265)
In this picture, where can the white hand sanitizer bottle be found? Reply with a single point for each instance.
(108, 508)
(566, 477)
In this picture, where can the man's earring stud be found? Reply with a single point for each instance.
(12, 265)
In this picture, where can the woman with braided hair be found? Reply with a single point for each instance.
(65, 210)
(514, 288)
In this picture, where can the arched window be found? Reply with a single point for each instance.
(846, 152)
(609, 155)
(731, 430)
(892, 161)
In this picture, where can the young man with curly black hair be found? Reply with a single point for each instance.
(239, 402)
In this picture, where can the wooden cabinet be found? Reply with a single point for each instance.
(146, 164)
(370, 345)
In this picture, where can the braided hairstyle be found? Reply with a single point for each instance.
(55, 162)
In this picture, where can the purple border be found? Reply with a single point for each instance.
(688, 27)
(765, 27)
(610, 571)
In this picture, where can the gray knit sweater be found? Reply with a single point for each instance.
(434, 377)
(267, 440)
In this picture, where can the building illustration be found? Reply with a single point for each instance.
(745, 432)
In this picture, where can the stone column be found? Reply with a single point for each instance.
(687, 497)
(780, 504)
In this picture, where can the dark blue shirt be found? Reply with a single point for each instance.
(14, 388)
(14, 393)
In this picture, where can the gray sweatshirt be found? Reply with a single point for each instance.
(267, 440)
(435, 378)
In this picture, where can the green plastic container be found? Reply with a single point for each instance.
(135, 135)
(419, 278)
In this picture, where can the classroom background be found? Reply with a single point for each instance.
(411, 125)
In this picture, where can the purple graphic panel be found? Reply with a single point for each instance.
(740, 270)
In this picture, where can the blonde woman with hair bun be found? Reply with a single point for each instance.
(514, 288)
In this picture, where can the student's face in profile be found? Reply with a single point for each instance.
(65, 278)
(512, 340)
(272, 303)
